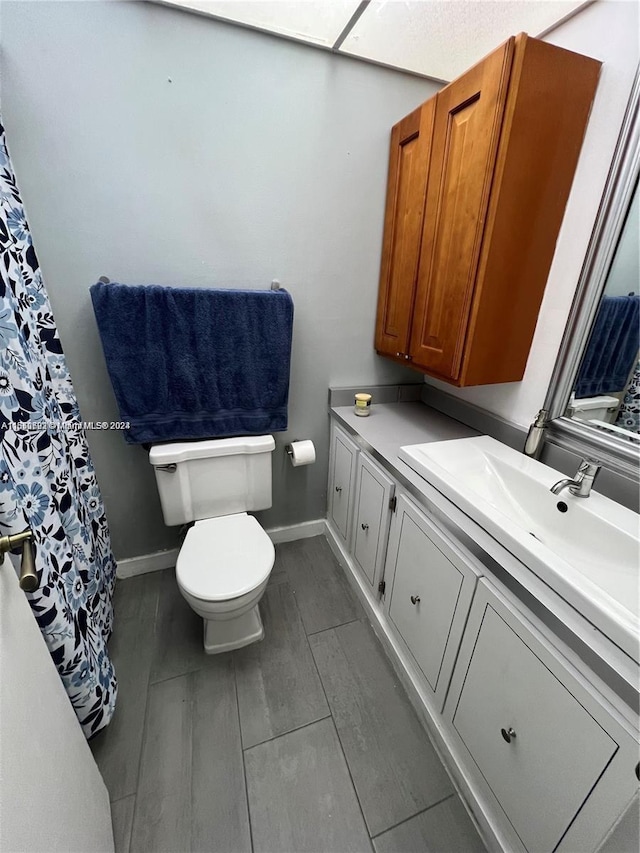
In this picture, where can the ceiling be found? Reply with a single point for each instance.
(433, 38)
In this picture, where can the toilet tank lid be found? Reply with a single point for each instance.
(166, 454)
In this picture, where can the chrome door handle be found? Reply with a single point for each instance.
(28, 576)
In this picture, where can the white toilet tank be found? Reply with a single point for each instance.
(206, 479)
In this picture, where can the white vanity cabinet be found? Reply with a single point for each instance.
(538, 740)
(429, 587)
(342, 479)
(372, 517)
(538, 730)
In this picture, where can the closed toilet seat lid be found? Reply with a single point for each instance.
(225, 557)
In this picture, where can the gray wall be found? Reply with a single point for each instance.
(154, 146)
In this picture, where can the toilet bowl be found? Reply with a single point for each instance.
(226, 558)
(222, 572)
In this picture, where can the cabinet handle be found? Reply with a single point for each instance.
(508, 734)
(364, 526)
(338, 489)
(415, 599)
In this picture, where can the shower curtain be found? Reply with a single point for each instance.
(47, 481)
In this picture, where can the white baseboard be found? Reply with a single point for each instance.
(304, 530)
(147, 563)
(132, 566)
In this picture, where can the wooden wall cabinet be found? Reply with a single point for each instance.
(479, 177)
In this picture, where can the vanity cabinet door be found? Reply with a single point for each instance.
(529, 728)
(430, 587)
(342, 476)
(372, 518)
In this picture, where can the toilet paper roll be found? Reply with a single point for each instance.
(302, 453)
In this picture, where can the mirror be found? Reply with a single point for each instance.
(594, 396)
(606, 390)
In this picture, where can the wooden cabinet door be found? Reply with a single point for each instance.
(430, 594)
(406, 186)
(342, 475)
(466, 134)
(372, 518)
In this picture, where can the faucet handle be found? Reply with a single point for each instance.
(589, 466)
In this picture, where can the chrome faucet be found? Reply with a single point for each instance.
(581, 484)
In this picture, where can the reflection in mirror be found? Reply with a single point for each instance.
(598, 356)
(606, 392)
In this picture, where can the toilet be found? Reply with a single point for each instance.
(602, 408)
(226, 558)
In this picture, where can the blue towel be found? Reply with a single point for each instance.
(613, 347)
(189, 363)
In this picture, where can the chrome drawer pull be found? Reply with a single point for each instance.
(338, 489)
(415, 599)
(364, 526)
(508, 734)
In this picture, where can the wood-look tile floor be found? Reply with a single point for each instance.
(302, 742)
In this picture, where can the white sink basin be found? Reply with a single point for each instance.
(588, 549)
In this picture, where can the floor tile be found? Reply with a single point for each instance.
(445, 827)
(396, 771)
(179, 634)
(322, 591)
(219, 815)
(300, 795)
(278, 685)
(122, 819)
(192, 791)
(117, 748)
(162, 817)
(278, 572)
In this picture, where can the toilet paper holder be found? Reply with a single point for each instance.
(289, 448)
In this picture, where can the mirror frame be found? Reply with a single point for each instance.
(616, 452)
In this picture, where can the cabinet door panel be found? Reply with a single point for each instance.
(371, 519)
(343, 466)
(431, 588)
(543, 775)
(424, 575)
(406, 187)
(465, 142)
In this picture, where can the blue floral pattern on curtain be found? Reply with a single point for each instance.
(47, 480)
(629, 414)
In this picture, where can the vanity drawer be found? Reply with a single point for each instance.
(429, 593)
(342, 477)
(534, 742)
(372, 517)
